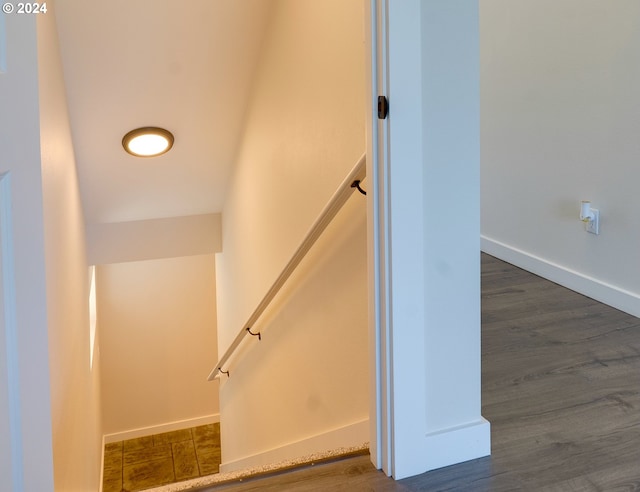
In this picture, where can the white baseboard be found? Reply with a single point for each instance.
(446, 447)
(621, 299)
(458, 445)
(159, 429)
(344, 437)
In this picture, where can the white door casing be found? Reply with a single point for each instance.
(424, 252)
(11, 444)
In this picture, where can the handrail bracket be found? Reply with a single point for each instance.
(356, 184)
(254, 334)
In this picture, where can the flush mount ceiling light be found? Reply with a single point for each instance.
(147, 142)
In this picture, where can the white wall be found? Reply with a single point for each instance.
(304, 131)
(560, 119)
(55, 435)
(158, 342)
(75, 390)
(29, 410)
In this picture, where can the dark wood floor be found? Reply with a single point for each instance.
(560, 386)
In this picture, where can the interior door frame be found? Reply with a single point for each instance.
(423, 163)
(11, 453)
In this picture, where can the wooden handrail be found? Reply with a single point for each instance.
(334, 205)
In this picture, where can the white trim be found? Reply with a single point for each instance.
(614, 296)
(430, 229)
(349, 435)
(8, 311)
(376, 136)
(458, 444)
(102, 464)
(159, 429)
(93, 315)
(3, 45)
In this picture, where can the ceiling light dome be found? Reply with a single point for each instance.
(148, 141)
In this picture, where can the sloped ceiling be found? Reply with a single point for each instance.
(184, 66)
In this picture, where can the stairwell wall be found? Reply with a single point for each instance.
(158, 341)
(303, 388)
(74, 375)
(54, 431)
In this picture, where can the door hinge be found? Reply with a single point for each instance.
(383, 107)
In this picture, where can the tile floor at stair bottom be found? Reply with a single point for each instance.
(151, 461)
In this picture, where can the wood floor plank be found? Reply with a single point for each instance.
(561, 382)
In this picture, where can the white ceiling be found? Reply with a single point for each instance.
(182, 65)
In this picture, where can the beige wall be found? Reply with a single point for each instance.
(119, 242)
(75, 390)
(304, 131)
(157, 340)
(560, 113)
